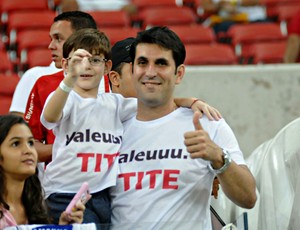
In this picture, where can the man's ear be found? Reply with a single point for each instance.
(114, 78)
(179, 74)
(108, 66)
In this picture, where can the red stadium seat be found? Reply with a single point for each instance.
(210, 54)
(20, 21)
(5, 63)
(7, 88)
(243, 35)
(268, 53)
(117, 18)
(194, 34)
(31, 39)
(35, 57)
(117, 34)
(166, 16)
(9, 6)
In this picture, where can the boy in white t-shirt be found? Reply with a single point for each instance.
(88, 127)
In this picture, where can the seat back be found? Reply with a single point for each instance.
(210, 54)
(194, 34)
(7, 88)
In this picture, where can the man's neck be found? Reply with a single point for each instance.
(148, 113)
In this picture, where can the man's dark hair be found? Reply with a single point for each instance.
(163, 37)
(79, 20)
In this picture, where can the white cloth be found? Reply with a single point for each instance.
(26, 84)
(93, 5)
(88, 138)
(89, 226)
(159, 186)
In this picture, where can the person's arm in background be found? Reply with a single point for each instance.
(293, 41)
(32, 115)
(22, 91)
(69, 5)
(292, 49)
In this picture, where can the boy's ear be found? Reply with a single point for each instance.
(108, 66)
(64, 64)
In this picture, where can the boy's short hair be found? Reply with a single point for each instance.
(92, 40)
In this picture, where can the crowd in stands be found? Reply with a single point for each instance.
(213, 32)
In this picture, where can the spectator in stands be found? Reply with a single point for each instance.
(21, 196)
(21, 94)
(64, 25)
(120, 79)
(293, 41)
(225, 13)
(167, 175)
(93, 5)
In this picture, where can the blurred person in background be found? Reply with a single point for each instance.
(292, 50)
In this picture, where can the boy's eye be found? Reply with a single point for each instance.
(96, 60)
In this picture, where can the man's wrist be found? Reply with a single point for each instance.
(226, 162)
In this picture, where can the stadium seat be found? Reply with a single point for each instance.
(142, 5)
(194, 34)
(31, 39)
(210, 54)
(20, 21)
(167, 16)
(268, 53)
(35, 57)
(117, 34)
(7, 88)
(243, 35)
(118, 18)
(5, 63)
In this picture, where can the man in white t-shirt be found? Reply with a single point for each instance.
(21, 94)
(169, 156)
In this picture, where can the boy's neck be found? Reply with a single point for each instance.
(91, 93)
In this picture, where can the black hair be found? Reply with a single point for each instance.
(32, 196)
(78, 19)
(163, 37)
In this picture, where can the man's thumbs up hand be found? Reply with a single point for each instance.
(198, 142)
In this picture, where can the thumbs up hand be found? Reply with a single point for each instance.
(198, 142)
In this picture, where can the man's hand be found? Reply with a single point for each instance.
(199, 144)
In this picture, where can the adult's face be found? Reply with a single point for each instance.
(60, 31)
(155, 74)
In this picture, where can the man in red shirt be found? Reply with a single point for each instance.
(63, 26)
(293, 42)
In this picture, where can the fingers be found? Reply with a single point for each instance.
(196, 121)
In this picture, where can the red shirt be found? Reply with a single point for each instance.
(294, 24)
(36, 101)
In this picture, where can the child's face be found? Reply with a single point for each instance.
(18, 154)
(89, 69)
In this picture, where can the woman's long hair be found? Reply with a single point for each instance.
(32, 196)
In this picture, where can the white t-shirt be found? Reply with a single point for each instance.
(92, 5)
(159, 186)
(26, 84)
(87, 143)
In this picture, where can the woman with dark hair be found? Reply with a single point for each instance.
(21, 194)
